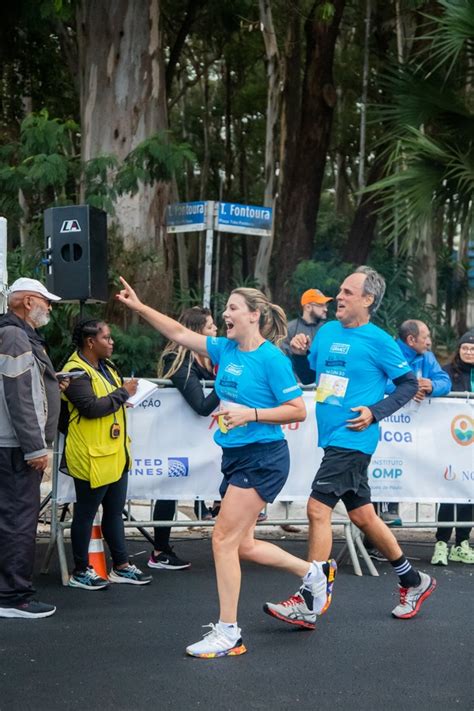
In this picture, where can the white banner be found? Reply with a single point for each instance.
(425, 453)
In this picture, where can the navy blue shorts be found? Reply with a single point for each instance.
(263, 466)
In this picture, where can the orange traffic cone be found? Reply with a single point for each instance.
(96, 549)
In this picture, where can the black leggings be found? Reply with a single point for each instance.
(164, 511)
(446, 513)
(112, 497)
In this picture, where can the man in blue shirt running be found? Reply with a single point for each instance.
(351, 360)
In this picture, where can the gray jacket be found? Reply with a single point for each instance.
(29, 392)
(299, 325)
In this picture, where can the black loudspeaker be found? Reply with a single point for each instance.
(76, 249)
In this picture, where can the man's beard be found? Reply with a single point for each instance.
(39, 316)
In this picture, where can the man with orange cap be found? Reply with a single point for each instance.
(314, 311)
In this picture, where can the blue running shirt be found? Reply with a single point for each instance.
(352, 366)
(260, 378)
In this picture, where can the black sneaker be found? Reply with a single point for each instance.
(31, 610)
(167, 560)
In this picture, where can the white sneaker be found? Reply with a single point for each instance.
(216, 643)
(411, 599)
(295, 611)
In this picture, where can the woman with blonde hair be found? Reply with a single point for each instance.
(258, 393)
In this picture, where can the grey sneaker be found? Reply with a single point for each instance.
(440, 554)
(87, 580)
(295, 611)
(131, 574)
(411, 599)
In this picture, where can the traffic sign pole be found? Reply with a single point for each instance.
(206, 302)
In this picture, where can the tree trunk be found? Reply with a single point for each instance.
(122, 102)
(362, 232)
(262, 263)
(300, 197)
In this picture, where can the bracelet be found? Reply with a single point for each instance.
(256, 414)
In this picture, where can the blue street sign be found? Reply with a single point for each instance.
(244, 219)
(186, 217)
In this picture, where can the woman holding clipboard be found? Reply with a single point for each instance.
(96, 453)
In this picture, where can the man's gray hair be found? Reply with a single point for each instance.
(374, 285)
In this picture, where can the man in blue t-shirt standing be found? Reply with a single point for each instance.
(351, 360)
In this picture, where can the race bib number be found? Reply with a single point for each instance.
(331, 389)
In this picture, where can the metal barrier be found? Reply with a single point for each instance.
(352, 535)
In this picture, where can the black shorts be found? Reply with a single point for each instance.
(260, 466)
(342, 475)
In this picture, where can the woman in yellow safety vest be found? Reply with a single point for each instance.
(96, 453)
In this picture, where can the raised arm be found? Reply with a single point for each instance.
(171, 329)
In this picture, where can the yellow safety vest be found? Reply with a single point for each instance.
(91, 453)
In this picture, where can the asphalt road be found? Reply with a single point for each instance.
(123, 648)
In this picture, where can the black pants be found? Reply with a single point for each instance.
(19, 511)
(164, 511)
(446, 513)
(112, 497)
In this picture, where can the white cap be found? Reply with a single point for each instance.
(33, 285)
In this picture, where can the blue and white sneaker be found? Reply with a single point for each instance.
(87, 580)
(131, 575)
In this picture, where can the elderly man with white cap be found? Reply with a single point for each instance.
(29, 410)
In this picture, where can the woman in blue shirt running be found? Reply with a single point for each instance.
(258, 394)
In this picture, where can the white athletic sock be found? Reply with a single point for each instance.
(315, 569)
(230, 629)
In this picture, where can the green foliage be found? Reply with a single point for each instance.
(99, 192)
(154, 159)
(137, 350)
(324, 275)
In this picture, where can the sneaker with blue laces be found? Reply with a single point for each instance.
(217, 643)
(87, 580)
(131, 575)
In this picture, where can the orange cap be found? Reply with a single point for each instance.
(314, 296)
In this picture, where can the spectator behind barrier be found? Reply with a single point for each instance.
(314, 311)
(461, 372)
(414, 339)
(29, 409)
(186, 369)
(97, 454)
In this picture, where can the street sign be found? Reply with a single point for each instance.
(244, 219)
(186, 216)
